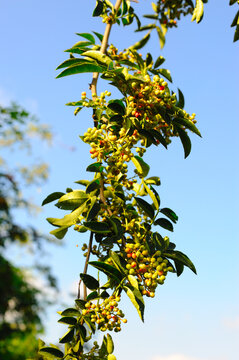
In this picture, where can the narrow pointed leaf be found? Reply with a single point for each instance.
(188, 124)
(69, 219)
(98, 56)
(97, 227)
(70, 312)
(166, 73)
(181, 102)
(51, 352)
(141, 43)
(180, 257)
(78, 69)
(141, 166)
(136, 299)
(98, 9)
(52, 197)
(152, 195)
(60, 232)
(87, 36)
(145, 206)
(67, 337)
(154, 180)
(170, 214)
(95, 167)
(109, 270)
(164, 223)
(89, 281)
(72, 62)
(185, 140)
(110, 344)
(67, 320)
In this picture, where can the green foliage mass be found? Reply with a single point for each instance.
(20, 302)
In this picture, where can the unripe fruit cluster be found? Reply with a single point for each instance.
(170, 10)
(106, 314)
(150, 270)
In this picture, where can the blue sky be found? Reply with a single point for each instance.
(192, 317)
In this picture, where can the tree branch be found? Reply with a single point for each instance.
(103, 48)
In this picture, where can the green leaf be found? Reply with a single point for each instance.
(98, 9)
(180, 257)
(97, 227)
(141, 166)
(158, 241)
(235, 20)
(93, 185)
(98, 56)
(68, 219)
(51, 352)
(236, 34)
(164, 223)
(188, 124)
(198, 11)
(72, 62)
(157, 135)
(95, 167)
(153, 16)
(68, 320)
(70, 312)
(179, 267)
(110, 344)
(145, 206)
(133, 281)
(52, 197)
(95, 208)
(80, 303)
(67, 337)
(116, 260)
(146, 27)
(149, 59)
(154, 180)
(138, 45)
(180, 103)
(166, 74)
(185, 140)
(160, 60)
(89, 281)
(161, 36)
(87, 36)
(100, 36)
(232, 2)
(60, 232)
(170, 214)
(153, 197)
(117, 106)
(78, 69)
(109, 270)
(93, 295)
(136, 299)
(72, 200)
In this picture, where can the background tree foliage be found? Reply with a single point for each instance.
(21, 301)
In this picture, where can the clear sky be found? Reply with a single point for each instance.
(192, 317)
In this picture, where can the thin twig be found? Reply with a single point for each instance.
(85, 268)
(103, 48)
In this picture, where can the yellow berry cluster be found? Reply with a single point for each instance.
(150, 270)
(106, 314)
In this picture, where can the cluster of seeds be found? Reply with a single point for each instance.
(106, 314)
(150, 270)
